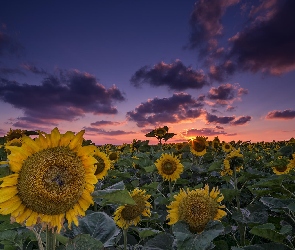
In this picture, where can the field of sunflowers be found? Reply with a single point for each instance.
(60, 191)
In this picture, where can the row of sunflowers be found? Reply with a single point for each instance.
(60, 191)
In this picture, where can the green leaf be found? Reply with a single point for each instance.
(229, 194)
(99, 226)
(84, 242)
(267, 231)
(201, 241)
(146, 232)
(266, 246)
(275, 203)
(7, 225)
(162, 241)
(215, 166)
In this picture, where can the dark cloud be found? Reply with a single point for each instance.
(179, 107)
(219, 127)
(104, 132)
(219, 119)
(267, 44)
(205, 22)
(175, 76)
(104, 123)
(222, 72)
(203, 132)
(66, 96)
(10, 71)
(285, 115)
(9, 45)
(34, 69)
(241, 120)
(226, 93)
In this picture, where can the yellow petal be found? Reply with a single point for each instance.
(32, 219)
(9, 206)
(31, 144)
(66, 138)
(15, 166)
(90, 178)
(71, 217)
(10, 180)
(7, 192)
(23, 216)
(18, 151)
(18, 211)
(41, 142)
(77, 140)
(86, 150)
(55, 137)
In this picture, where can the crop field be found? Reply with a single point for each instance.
(198, 194)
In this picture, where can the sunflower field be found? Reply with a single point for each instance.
(60, 191)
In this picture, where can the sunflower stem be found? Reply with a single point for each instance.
(50, 239)
(170, 188)
(125, 238)
(240, 225)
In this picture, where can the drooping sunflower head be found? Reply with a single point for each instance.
(102, 165)
(198, 145)
(196, 208)
(169, 167)
(227, 147)
(128, 215)
(234, 160)
(160, 132)
(53, 179)
(216, 143)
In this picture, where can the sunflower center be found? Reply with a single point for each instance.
(197, 211)
(281, 168)
(227, 146)
(51, 181)
(160, 132)
(130, 212)
(198, 145)
(169, 167)
(100, 165)
(113, 156)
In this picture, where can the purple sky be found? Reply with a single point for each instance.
(119, 69)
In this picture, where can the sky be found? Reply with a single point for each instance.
(119, 69)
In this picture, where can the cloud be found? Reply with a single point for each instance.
(10, 71)
(179, 107)
(241, 120)
(104, 123)
(104, 132)
(33, 69)
(284, 115)
(226, 93)
(219, 119)
(175, 76)
(267, 44)
(202, 132)
(9, 45)
(64, 97)
(205, 23)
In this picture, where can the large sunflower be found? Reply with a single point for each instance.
(226, 147)
(103, 164)
(169, 167)
(282, 165)
(196, 208)
(128, 215)
(53, 179)
(198, 145)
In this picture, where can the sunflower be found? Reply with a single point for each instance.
(53, 179)
(198, 145)
(114, 156)
(283, 165)
(216, 143)
(169, 167)
(128, 215)
(227, 147)
(160, 132)
(196, 208)
(234, 160)
(103, 164)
